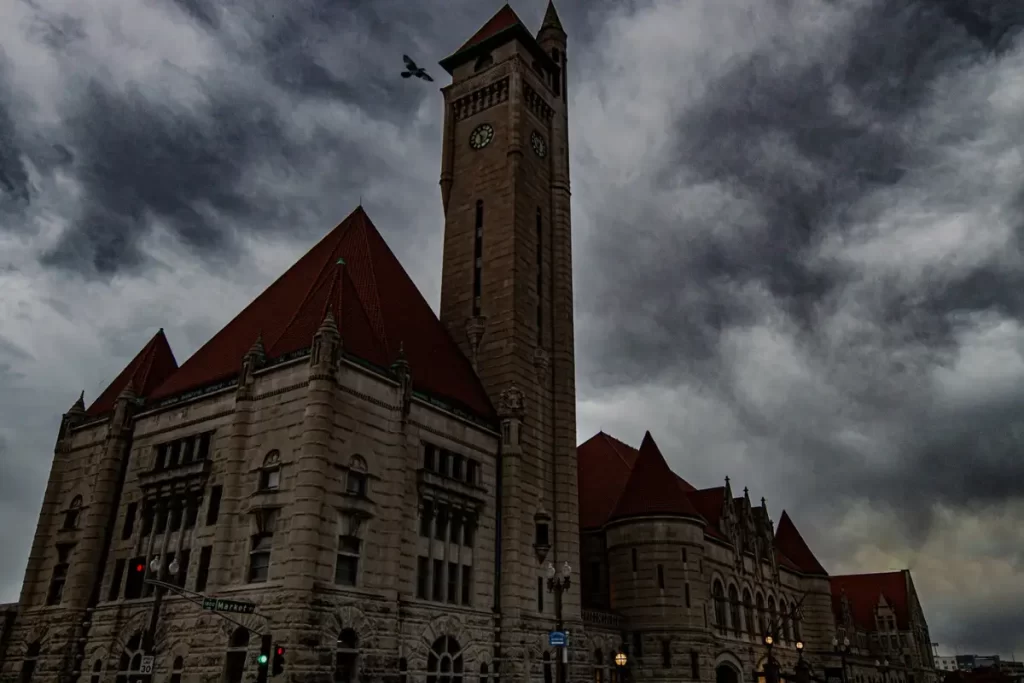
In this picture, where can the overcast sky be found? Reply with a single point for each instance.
(797, 224)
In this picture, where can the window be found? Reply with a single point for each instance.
(634, 558)
(555, 74)
(175, 514)
(443, 462)
(453, 582)
(484, 673)
(183, 561)
(734, 611)
(472, 471)
(478, 254)
(438, 587)
(467, 585)
(28, 664)
(355, 481)
(161, 517)
(718, 593)
(423, 578)
(176, 668)
(173, 454)
(547, 667)
(638, 644)
(403, 670)
(666, 653)
(71, 514)
(595, 577)
(237, 654)
(773, 618)
(203, 573)
(346, 568)
(129, 521)
(748, 608)
(115, 581)
(148, 513)
(131, 660)
(60, 574)
(191, 512)
(661, 576)
(441, 528)
(683, 555)
(469, 531)
(694, 665)
(97, 668)
(426, 518)
(784, 620)
(428, 457)
(540, 277)
(540, 533)
(188, 449)
(456, 529)
(444, 661)
(598, 666)
(270, 473)
(457, 461)
(262, 543)
(686, 593)
(346, 656)
(203, 447)
(762, 628)
(160, 462)
(540, 594)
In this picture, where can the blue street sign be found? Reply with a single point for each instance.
(556, 639)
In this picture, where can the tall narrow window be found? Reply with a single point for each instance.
(115, 582)
(270, 473)
(71, 514)
(262, 543)
(60, 575)
(686, 593)
(28, 664)
(346, 568)
(666, 653)
(633, 558)
(203, 573)
(478, 255)
(638, 644)
(129, 521)
(547, 667)
(355, 481)
(661, 576)
(555, 76)
(540, 594)
(540, 278)
(213, 509)
(694, 665)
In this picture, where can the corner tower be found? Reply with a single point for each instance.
(506, 285)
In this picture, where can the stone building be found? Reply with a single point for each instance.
(390, 488)
(883, 620)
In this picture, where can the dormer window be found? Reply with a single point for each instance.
(355, 484)
(71, 514)
(270, 473)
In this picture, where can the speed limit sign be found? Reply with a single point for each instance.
(147, 665)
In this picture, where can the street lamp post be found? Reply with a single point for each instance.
(841, 644)
(558, 583)
(620, 666)
(155, 567)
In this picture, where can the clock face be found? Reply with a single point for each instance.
(481, 136)
(539, 146)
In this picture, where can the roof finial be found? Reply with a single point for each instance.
(79, 405)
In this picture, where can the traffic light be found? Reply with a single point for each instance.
(263, 659)
(278, 661)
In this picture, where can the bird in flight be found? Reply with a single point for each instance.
(412, 70)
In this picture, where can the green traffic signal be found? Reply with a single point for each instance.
(262, 659)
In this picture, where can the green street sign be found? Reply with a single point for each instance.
(231, 606)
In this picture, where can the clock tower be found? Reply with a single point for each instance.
(506, 294)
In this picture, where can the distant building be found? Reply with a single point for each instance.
(946, 663)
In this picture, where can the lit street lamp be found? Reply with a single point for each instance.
(620, 666)
(841, 645)
(883, 668)
(558, 583)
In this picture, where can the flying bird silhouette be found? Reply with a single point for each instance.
(413, 70)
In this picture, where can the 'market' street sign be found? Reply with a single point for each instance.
(234, 606)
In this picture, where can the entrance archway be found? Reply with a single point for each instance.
(725, 673)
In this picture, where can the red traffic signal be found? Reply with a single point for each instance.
(280, 650)
(140, 567)
(278, 661)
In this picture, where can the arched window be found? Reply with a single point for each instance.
(270, 473)
(131, 662)
(598, 666)
(346, 656)
(734, 610)
(748, 613)
(237, 655)
(719, 595)
(784, 633)
(485, 675)
(97, 667)
(773, 618)
(444, 663)
(794, 613)
(547, 667)
(355, 484)
(71, 514)
(762, 629)
(28, 664)
(176, 668)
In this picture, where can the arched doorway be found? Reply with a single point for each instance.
(724, 673)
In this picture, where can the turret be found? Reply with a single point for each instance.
(552, 38)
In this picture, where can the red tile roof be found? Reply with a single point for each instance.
(504, 19)
(791, 544)
(709, 503)
(652, 489)
(153, 364)
(604, 466)
(353, 274)
(863, 590)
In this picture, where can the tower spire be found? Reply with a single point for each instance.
(551, 20)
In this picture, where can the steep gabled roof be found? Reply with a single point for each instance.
(791, 544)
(652, 489)
(353, 274)
(504, 19)
(863, 591)
(151, 366)
(709, 503)
(603, 467)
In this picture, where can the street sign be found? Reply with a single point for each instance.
(556, 639)
(147, 665)
(233, 606)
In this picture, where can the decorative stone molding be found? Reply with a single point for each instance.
(511, 403)
(475, 327)
(481, 99)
